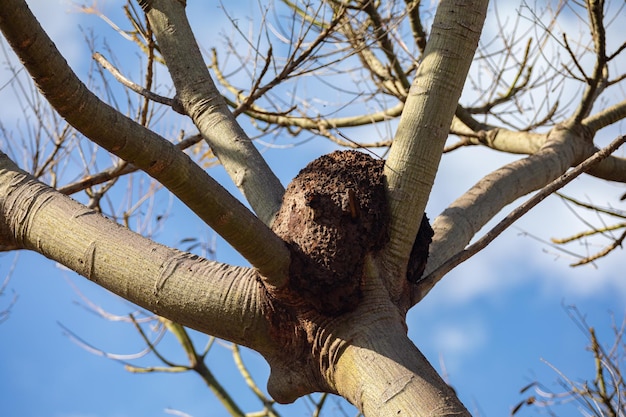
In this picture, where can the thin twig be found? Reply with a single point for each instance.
(617, 242)
(133, 86)
(118, 170)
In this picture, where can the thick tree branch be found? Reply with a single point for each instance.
(612, 168)
(606, 117)
(499, 139)
(459, 223)
(138, 145)
(211, 297)
(385, 375)
(205, 105)
(424, 124)
(429, 281)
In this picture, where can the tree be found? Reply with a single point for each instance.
(336, 258)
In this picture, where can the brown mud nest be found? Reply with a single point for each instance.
(333, 213)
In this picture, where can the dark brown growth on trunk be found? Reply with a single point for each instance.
(333, 213)
(419, 252)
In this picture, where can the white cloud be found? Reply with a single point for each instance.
(462, 337)
(455, 342)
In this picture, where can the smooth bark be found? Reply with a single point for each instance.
(201, 100)
(418, 144)
(212, 297)
(363, 354)
(459, 223)
(381, 371)
(612, 169)
(139, 145)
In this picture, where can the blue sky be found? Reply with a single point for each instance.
(491, 326)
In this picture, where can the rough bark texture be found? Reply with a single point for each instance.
(335, 212)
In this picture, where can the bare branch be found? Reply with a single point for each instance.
(136, 87)
(140, 146)
(209, 296)
(602, 253)
(604, 230)
(606, 117)
(419, 34)
(428, 281)
(382, 36)
(459, 223)
(116, 171)
(598, 80)
(293, 63)
(420, 138)
(205, 105)
(519, 83)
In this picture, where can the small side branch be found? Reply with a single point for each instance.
(133, 86)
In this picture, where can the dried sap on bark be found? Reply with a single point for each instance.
(333, 213)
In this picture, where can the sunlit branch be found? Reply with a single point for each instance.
(381, 75)
(428, 281)
(617, 243)
(597, 82)
(382, 36)
(139, 145)
(304, 15)
(419, 34)
(420, 138)
(606, 117)
(268, 403)
(133, 86)
(201, 100)
(197, 364)
(500, 139)
(160, 279)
